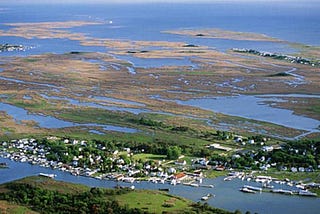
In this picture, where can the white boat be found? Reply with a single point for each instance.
(128, 179)
(194, 185)
(282, 191)
(246, 190)
(206, 197)
(47, 175)
(253, 188)
(174, 182)
(307, 193)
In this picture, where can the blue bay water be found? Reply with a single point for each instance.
(295, 22)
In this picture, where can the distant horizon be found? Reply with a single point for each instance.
(148, 1)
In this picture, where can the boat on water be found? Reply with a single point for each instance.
(164, 189)
(253, 188)
(282, 191)
(206, 197)
(229, 178)
(267, 186)
(207, 185)
(246, 190)
(3, 165)
(307, 193)
(47, 175)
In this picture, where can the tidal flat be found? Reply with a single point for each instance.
(78, 76)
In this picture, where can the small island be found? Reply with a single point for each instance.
(291, 59)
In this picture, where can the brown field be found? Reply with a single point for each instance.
(83, 75)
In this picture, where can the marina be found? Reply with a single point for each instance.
(227, 194)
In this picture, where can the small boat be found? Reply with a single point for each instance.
(252, 188)
(3, 165)
(194, 185)
(207, 185)
(282, 191)
(164, 189)
(246, 190)
(47, 175)
(229, 178)
(173, 182)
(307, 193)
(267, 186)
(206, 197)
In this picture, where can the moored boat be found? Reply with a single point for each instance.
(253, 188)
(246, 190)
(307, 193)
(206, 197)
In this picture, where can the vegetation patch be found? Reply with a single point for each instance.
(31, 193)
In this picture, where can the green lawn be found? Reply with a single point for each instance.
(145, 157)
(154, 202)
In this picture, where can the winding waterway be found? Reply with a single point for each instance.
(227, 194)
(43, 121)
(254, 107)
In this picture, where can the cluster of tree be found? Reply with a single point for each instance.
(206, 209)
(173, 152)
(45, 201)
(304, 153)
(95, 200)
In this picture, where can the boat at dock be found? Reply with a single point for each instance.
(282, 191)
(253, 188)
(246, 190)
(307, 193)
(207, 185)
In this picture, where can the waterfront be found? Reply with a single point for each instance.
(227, 193)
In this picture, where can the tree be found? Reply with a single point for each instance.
(173, 152)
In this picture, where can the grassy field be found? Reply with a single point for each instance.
(147, 200)
(10, 208)
(145, 157)
(154, 202)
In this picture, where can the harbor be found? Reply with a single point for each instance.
(227, 194)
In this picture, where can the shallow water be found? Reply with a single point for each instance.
(254, 107)
(100, 106)
(43, 121)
